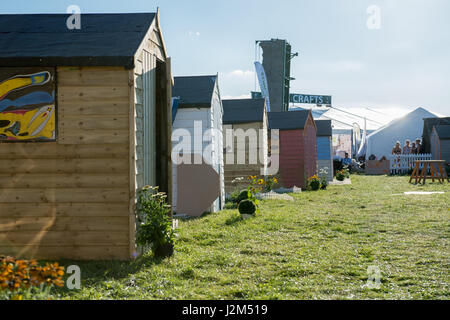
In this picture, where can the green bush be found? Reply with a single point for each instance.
(230, 206)
(247, 207)
(314, 183)
(154, 223)
(243, 195)
(233, 196)
(342, 174)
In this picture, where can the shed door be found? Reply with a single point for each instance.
(149, 85)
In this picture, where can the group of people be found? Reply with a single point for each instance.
(408, 148)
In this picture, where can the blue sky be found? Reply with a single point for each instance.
(402, 65)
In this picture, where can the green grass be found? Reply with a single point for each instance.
(317, 247)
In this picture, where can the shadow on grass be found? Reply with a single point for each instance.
(96, 271)
(189, 218)
(233, 220)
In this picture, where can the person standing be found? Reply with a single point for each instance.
(407, 147)
(414, 148)
(418, 146)
(397, 150)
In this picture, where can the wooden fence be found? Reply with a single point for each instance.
(403, 163)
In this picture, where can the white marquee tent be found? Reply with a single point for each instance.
(381, 142)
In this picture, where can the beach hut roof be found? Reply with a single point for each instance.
(288, 120)
(45, 39)
(194, 91)
(324, 128)
(429, 123)
(443, 131)
(243, 110)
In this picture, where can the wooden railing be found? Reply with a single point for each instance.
(403, 163)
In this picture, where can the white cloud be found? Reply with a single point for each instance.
(231, 97)
(242, 74)
(237, 84)
(194, 33)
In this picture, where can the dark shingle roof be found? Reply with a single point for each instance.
(443, 131)
(45, 40)
(428, 124)
(324, 128)
(194, 91)
(243, 110)
(288, 120)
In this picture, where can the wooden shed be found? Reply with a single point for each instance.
(428, 124)
(85, 121)
(198, 119)
(325, 147)
(440, 142)
(297, 146)
(246, 142)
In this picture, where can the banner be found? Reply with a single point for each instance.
(356, 138)
(363, 146)
(262, 79)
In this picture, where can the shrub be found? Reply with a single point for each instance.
(243, 195)
(247, 207)
(314, 183)
(270, 182)
(154, 224)
(337, 165)
(233, 196)
(342, 174)
(323, 178)
(21, 279)
(230, 206)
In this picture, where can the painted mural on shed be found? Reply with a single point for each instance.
(27, 104)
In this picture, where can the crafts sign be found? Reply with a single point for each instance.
(310, 99)
(27, 104)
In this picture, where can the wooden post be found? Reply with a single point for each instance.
(415, 172)
(132, 166)
(169, 85)
(443, 172)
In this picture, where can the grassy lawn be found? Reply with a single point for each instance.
(317, 247)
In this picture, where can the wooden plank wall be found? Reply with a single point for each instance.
(71, 198)
(233, 171)
(144, 98)
(310, 148)
(292, 161)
